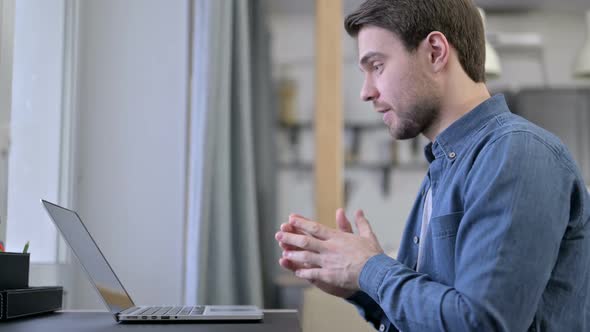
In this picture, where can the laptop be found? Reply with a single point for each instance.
(114, 294)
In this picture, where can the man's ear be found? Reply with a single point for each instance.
(437, 49)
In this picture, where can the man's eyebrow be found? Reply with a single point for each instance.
(367, 57)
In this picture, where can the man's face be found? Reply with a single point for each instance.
(397, 82)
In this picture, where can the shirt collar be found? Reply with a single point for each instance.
(452, 141)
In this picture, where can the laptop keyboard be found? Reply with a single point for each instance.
(170, 311)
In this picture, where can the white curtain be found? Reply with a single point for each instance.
(231, 256)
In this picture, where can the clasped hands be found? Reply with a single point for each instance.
(331, 259)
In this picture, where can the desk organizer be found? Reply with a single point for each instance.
(16, 303)
(14, 270)
(17, 299)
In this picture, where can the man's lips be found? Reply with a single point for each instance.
(388, 116)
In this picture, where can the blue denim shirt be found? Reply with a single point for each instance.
(508, 245)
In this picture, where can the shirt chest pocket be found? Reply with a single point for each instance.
(446, 226)
(444, 235)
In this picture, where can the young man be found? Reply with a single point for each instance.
(498, 238)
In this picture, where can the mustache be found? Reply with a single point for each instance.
(379, 106)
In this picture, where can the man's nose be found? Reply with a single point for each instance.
(369, 92)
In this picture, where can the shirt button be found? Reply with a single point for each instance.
(382, 327)
(452, 155)
(416, 239)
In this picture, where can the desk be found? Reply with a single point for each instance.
(274, 320)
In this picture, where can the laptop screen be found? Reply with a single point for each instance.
(100, 272)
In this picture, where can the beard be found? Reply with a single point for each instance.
(416, 119)
(421, 112)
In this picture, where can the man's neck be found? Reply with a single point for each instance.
(455, 103)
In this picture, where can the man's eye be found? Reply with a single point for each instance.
(377, 67)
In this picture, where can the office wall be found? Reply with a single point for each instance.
(132, 102)
(293, 51)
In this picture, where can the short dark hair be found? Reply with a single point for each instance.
(414, 20)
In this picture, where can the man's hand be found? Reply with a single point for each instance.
(343, 225)
(331, 259)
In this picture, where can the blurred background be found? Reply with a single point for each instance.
(185, 132)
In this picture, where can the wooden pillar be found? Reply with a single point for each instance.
(328, 113)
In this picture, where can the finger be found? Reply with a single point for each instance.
(284, 246)
(286, 227)
(362, 224)
(312, 228)
(293, 266)
(297, 216)
(286, 264)
(290, 229)
(288, 247)
(313, 274)
(301, 241)
(343, 222)
(303, 257)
